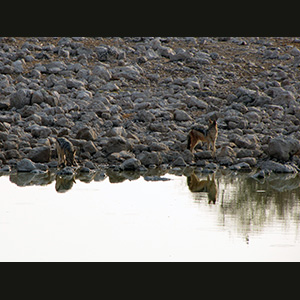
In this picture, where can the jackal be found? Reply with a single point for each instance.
(66, 152)
(198, 134)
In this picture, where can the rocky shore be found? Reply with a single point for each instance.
(128, 103)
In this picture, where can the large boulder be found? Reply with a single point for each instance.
(40, 131)
(40, 154)
(150, 158)
(117, 144)
(87, 134)
(25, 165)
(21, 98)
(130, 164)
(282, 148)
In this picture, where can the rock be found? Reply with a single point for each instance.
(117, 131)
(18, 66)
(145, 116)
(199, 155)
(116, 144)
(25, 165)
(295, 51)
(202, 58)
(166, 52)
(193, 101)
(67, 171)
(102, 72)
(182, 116)
(4, 103)
(179, 162)
(90, 147)
(42, 95)
(249, 160)
(226, 151)
(111, 87)
(55, 67)
(85, 169)
(211, 166)
(89, 165)
(87, 134)
(150, 158)
(21, 98)
(180, 54)
(40, 154)
(247, 141)
(130, 164)
(74, 83)
(40, 131)
(102, 53)
(5, 169)
(128, 72)
(12, 153)
(283, 148)
(155, 146)
(243, 166)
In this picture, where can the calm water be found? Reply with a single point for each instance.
(128, 217)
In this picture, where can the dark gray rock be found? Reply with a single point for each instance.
(40, 131)
(242, 166)
(130, 164)
(116, 144)
(40, 154)
(21, 98)
(102, 72)
(87, 134)
(90, 147)
(179, 162)
(283, 148)
(182, 116)
(26, 165)
(150, 158)
(67, 171)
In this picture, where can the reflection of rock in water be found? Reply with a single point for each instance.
(64, 183)
(284, 183)
(252, 203)
(208, 186)
(31, 178)
(118, 177)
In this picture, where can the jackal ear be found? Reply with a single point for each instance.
(210, 121)
(74, 152)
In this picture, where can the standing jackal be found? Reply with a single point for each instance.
(66, 152)
(209, 135)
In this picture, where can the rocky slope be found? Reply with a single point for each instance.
(130, 102)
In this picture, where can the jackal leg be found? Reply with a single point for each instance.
(214, 148)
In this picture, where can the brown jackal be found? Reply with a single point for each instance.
(198, 134)
(66, 152)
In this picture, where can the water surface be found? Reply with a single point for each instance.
(154, 217)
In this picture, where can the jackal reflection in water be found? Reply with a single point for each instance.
(64, 183)
(208, 186)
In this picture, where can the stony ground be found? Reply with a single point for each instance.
(130, 102)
